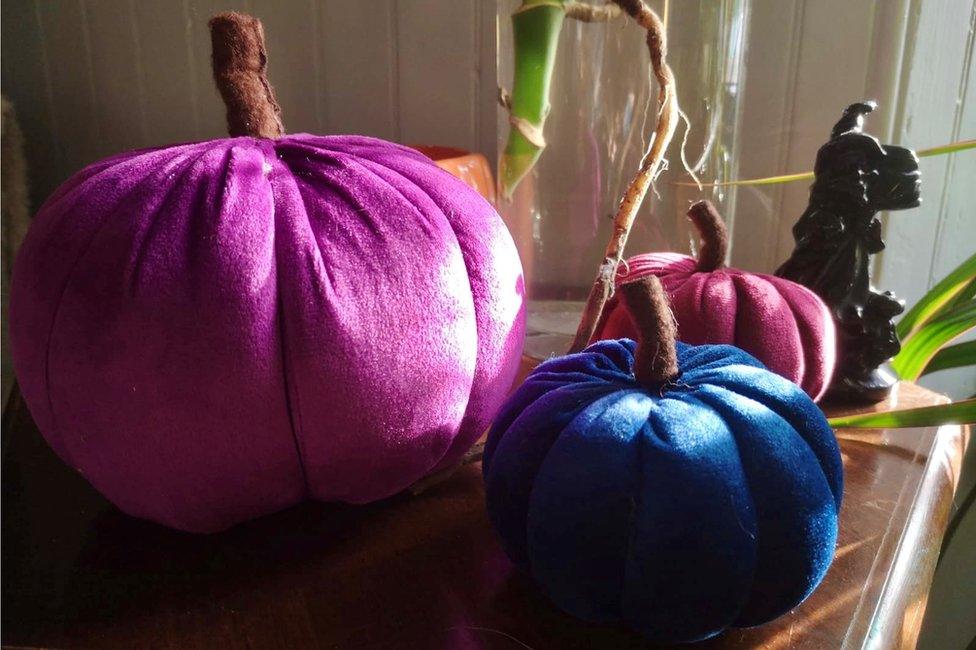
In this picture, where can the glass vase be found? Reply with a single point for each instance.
(602, 111)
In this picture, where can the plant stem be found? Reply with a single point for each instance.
(587, 13)
(535, 29)
(623, 221)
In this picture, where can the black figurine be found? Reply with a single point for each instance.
(856, 176)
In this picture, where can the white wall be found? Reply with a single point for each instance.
(806, 61)
(93, 77)
(937, 103)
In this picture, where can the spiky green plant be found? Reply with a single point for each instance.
(945, 312)
(963, 412)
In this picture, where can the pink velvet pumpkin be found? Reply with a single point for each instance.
(783, 324)
(210, 332)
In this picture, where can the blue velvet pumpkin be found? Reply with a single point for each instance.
(681, 507)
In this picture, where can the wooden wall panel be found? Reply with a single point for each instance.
(358, 46)
(292, 33)
(27, 84)
(955, 234)
(437, 72)
(74, 120)
(94, 77)
(167, 81)
(487, 110)
(933, 80)
(119, 95)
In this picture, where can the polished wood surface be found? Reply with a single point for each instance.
(418, 571)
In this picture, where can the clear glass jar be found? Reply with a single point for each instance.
(603, 109)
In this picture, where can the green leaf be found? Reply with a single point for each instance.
(968, 293)
(767, 180)
(953, 356)
(941, 295)
(943, 149)
(919, 349)
(963, 412)
(953, 147)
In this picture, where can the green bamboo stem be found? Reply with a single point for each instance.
(535, 29)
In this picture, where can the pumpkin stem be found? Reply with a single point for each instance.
(714, 236)
(656, 359)
(240, 63)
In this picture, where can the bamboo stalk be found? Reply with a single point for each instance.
(535, 29)
(650, 167)
(536, 26)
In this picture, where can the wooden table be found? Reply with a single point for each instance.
(418, 572)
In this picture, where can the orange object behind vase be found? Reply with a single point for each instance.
(472, 168)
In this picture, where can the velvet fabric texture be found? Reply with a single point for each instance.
(214, 331)
(783, 324)
(708, 503)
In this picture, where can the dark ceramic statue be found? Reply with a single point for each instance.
(856, 177)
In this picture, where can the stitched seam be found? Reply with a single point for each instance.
(638, 503)
(69, 276)
(362, 163)
(293, 410)
(712, 401)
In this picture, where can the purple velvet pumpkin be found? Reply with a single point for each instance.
(209, 332)
(783, 324)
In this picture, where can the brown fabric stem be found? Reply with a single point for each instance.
(714, 236)
(667, 121)
(240, 63)
(656, 359)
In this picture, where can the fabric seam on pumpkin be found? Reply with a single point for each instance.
(706, 400)
(742, 297)
(134, 263)
(638, 502)
(69, 276)
(294, 411)
(467, 275)
(704, 311)
(542, 463)
(783, 414)
(810, 353)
